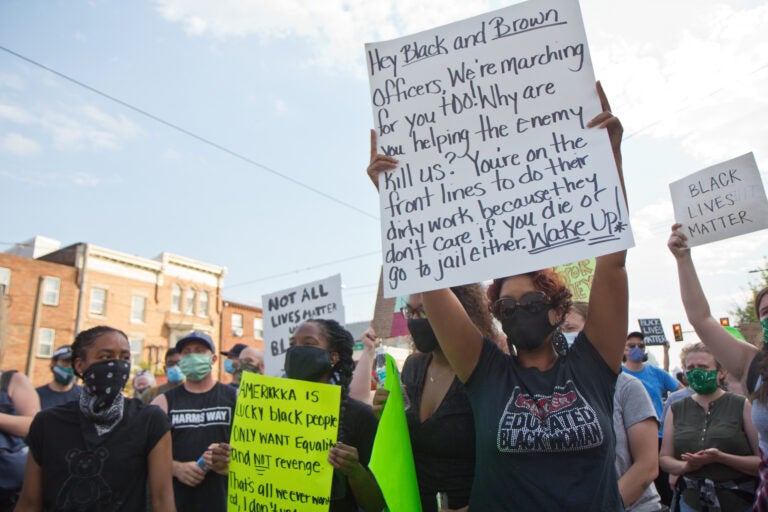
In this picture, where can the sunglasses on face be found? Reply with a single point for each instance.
(410, 313)
(641, 346)
(532, 302)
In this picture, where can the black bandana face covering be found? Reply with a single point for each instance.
(307, 363)
(104, 381)
(526, 329)
(423, 336)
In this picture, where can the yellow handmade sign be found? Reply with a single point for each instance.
(578, 278)
(282, 432)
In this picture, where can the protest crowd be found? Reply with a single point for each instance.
(517, 398)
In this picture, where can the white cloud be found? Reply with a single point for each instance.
(11, 81)
(19, 145)
(89, 127)
(15, 114)
(280, 106)
(84, 179)
(335, 29)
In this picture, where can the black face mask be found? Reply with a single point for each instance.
(105, 380)
(307, 363)
(423, 336)
(527, 330)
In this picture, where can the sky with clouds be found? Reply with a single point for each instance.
(283, 85)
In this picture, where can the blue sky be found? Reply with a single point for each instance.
(283, 84)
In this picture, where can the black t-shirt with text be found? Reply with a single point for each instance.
(198, 420)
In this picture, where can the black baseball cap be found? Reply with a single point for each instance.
(235, 350)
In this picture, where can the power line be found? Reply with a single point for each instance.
(189, 133)
(274, 276)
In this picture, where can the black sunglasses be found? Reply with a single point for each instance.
(532, 302)
(641, 346)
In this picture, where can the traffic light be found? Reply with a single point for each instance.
(678, 330)
(725, 322)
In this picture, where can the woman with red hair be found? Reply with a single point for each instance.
(543, 421)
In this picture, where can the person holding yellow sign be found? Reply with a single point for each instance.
(321, 351)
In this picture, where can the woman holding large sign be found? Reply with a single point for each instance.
(321, 351)
(543, 422)
(742, 360)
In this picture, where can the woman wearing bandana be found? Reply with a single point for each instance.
(710, 441)
(543, 420)
(440, 417)
(741, 360)
(321, 351)
(100, 452)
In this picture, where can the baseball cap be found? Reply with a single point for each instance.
(195, 336)
(62, 353)
(235, 350)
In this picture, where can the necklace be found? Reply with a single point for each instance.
(439, 375)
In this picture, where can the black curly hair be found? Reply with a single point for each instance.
(341, 342)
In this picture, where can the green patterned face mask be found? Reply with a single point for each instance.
(703, 382)
(764, 324)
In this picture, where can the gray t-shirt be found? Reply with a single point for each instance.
(631, 405)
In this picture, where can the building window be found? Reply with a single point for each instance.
(98, 301)
(5, 280)
(190, 304)
(237, 324)
(202, 310)
(45, 340)
(176, 298)
(51, 291)
(138, 309)
(137, 349)
(258, 328)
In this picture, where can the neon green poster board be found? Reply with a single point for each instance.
(282, 432)
(392, 457)
(578, 278)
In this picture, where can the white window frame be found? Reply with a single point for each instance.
(136, 357)
(5, 280)
(51, 295)
(103, 310)
(190, 297)
(203, 305)
(177, 294)
(258, 328)
(134, 317)
(237, 327)
(46, 338)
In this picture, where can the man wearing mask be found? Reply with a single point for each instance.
(250, 360)
(658, 383)
(231, 363)
(172, 372)
(62, 388)
(201, 414)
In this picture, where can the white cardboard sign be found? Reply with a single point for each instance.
(498, 173)
(285, 310)
(721, 201)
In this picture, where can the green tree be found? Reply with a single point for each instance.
(745, 314)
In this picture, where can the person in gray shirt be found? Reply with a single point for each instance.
(637, 458)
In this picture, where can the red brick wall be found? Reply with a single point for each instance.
(20, 303)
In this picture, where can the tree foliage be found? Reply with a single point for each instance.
(746, 314)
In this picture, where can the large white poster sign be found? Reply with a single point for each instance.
(721, 201)
(498, 173)
(285, 310)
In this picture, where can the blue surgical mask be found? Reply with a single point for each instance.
(175, 375)
(229, 365)
(636, 355)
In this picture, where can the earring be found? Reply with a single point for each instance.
(559, 342)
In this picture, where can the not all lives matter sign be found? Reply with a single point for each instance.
(498, 173)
